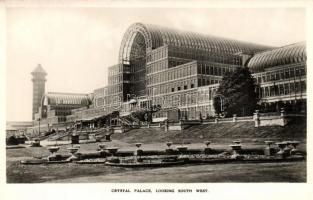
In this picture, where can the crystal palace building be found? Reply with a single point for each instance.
(182, 70)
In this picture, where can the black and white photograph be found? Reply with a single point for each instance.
(117, 94)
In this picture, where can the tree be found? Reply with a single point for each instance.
(236, 94)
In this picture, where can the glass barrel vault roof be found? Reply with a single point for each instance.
(294, 53)
(157, 36)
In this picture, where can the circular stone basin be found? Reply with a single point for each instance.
(112, 149)
(235, 146)
(182, 148)
(73, 150)
(53, 149)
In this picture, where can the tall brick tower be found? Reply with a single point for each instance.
(39, 79)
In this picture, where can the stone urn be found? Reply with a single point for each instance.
(294, 145)
(236, 150)
(101, 147)
(269, 143)
(269, 150)
(108, 137)
(169, 151)
(207, 149)
(281, 146)
(138, 145)
(36, 143)
(138, 151)
(169, 144)
(53, 151)
(112, 150)
(237, 141)
(98, 138)
(182, 149)
(288, 146)
(73, 151)
(207, 143)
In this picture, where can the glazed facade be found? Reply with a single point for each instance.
(182, 70)
(281, 75)
(55, 107)
(176, 69)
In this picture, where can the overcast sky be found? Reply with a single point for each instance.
(76, 45)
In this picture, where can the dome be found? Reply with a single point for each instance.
(294, 53)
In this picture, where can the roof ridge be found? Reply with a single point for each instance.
(181, 31)
(68, 93)
(281, 47)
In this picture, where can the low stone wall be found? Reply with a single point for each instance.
(175, 127)
(178, 126)
(120, 129)
(272, 121)
(259, 119)
(228, 120)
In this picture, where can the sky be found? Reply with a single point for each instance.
(75, 46)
